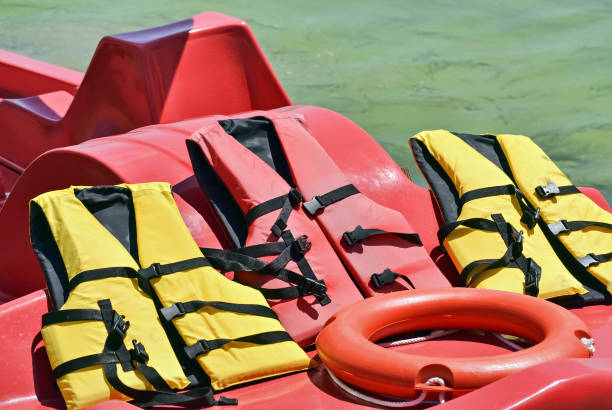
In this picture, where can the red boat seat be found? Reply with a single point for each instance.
(50, 106)
(205, 65)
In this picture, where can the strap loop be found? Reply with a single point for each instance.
(387, 277)
(359, 234)
(551, 190)
(203, 346)
(594, 259)
(322, 201)
(571, 226)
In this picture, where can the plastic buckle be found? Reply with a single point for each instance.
(157, 269)
(588, 260)
(558, 227)
(311, 207)
(153, 271)
(200, 347)
(384, 278)
(313, 287)
(172, 311)
(295, 196)
(547, 191)
(204, 346)
(119, 326)
(301, 245)
(139, 353)
(353, 237)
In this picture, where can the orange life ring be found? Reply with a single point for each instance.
(345, 345)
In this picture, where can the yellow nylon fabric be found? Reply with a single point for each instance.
(524, 156)
(85, 244)
(470, 170)
(235, 362)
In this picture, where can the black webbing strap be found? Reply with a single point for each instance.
(143, 275)
(529, 215)
(551, 190)
(231, 260)
(102, 273)
(474, 223)
(487, 192)
(569, 226)
(181, 308)
(322, 201)
(70, 315)
(241, 260)
(289, 292)
(285, 203)
(300, 260)
(594, 259)
(513, 258)
(156, 270)
(204, 346)
(386, 277)
(359, 234)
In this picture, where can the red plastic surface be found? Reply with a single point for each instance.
(21, 76)
(208, 64)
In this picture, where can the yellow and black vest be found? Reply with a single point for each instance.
(140, 313)
(513, 220)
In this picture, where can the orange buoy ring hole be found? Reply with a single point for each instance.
(346, 343)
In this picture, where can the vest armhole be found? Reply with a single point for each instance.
(441, 185)
(227, 211)
(49, 256)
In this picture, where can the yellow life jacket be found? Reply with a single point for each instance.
(583, 227)
(498, 229)
(123, 269)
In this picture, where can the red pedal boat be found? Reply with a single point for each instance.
(126, 120)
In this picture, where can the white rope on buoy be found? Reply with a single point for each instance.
(589, 344)
(433, 335)
(434, 381)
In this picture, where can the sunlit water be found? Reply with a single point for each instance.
(542, 68)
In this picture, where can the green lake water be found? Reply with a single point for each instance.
(542, 69)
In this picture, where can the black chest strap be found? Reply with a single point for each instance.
(290, 249)
(203, 346)
(529, 215)
(360, 234)
(551, 190)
